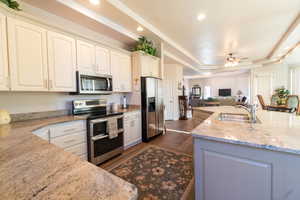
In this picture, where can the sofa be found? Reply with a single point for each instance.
(224, 101)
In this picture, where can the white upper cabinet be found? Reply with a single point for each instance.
(126, 74)
(155, 66)
(115, 63)
(86, 57)
(121, 72)
(62, 62)
(144, 65)
(102, 61)
(27, 44)
(4, 80)
(149, 65)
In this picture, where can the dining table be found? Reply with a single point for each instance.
(279, 108)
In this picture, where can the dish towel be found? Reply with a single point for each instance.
(112, 128)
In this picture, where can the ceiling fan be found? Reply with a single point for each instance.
(232, 60)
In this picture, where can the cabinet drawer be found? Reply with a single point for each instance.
(69, 140)
(78, 149)
(67, 128)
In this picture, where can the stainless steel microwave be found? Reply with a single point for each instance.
(93, 84)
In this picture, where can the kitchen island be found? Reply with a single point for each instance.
(237, 160)
(31, 168)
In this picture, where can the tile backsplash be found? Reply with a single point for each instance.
(29, 102)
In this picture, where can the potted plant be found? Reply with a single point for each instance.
(282, 94)
(146, 46)
(11, 4)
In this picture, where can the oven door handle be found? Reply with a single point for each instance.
(96, 121)
(108, 85)
(99, 137)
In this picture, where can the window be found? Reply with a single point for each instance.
(295, 80)
(207, 92)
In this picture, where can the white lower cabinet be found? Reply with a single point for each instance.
(132, 128)
(71, 136)
(240, 172)
(79, 149)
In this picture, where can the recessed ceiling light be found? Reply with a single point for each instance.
(139, 29)
(95, 2)
(201, 17)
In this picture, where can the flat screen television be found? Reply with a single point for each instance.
(224, 92)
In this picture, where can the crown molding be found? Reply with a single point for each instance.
(95, 16)
(126, 10)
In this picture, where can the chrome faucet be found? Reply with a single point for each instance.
(252, 111)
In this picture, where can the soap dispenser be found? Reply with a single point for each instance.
(124, 102)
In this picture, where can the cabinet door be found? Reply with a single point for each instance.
(115, 70)
(155, 67)
(136, 127)
(3, 55)
(145, 66)
(102, 61)
(125, 76)
(121, 72)
(86, 57)
(27, 56)
(62, 62)
(127, 130)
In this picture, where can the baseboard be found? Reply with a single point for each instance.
(133, 144)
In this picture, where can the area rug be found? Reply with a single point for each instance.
(158, 173)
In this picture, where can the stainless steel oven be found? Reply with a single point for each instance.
(104, 129)
(93, 84)
(105, 138)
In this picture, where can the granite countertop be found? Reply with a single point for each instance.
(31, 168)
(131, 108)
(277, 131)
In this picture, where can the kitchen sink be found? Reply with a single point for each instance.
(235, 117)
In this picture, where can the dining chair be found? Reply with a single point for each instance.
(293, 103)
(262, 102)
(274, 99)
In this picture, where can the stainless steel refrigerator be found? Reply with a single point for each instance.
(152, 107)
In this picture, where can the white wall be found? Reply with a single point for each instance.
(173, 75)
(24, 102)
(294, 82)
(266, 79)
(235, 82)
